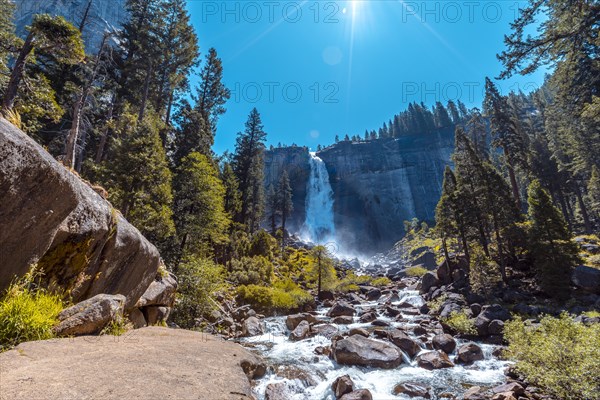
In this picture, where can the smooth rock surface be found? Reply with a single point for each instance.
(358, 350)
(90, 316)
(147, 363)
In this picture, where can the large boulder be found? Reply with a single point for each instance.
(488, 314)
(587, 278)
(411, 389)
(341, 308)
(444, 342)
(469, 353)
(252, 327)
(361, 394)
(51, 217)
(342, 385)
(161, 291)
(90, 316)
(428, 281)
(301, 331)
(292, 321)
(434, 360)
(404, 342)
(359, 350)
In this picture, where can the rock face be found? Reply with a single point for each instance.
(587, 278)
(358, 350)
(103, 15)
(148, 363)
(51, 217)
(377, 185)
(90, 316)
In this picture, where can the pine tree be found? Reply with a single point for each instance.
(46, 35)
(8, 39)
(594, 192)
(233, 202)
(211, 93)
(449, 214)
(272, 208)
(199, 208)
(138, 178)
(248, 166)
(441, 118)
(193, 134)
(454, 113)
(554, 252)
(284, 199)
(477, 129)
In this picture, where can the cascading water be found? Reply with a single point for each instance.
(319, 226)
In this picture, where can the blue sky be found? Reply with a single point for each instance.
(315, 69)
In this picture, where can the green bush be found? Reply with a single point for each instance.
(251, 271)
(27, 313)
(199, 281)
(270, 300)
(381, 281)
(460, 322)
(417, 271)
(560, 355)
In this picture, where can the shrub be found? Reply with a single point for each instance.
(251, 271)
(117, 326)
(271, 300)
(460, 322)
(199, 281)
(27, 312)
(435, 304)
(381, 281)
(560, 355)
(416, 271)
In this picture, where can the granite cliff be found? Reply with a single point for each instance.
(377, 185)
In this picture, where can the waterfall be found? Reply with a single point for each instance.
(319, 226)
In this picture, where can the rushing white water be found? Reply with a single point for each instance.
(309, 376)
(319, 226)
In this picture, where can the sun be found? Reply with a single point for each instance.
(355, 5)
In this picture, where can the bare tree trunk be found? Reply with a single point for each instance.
(10, 94)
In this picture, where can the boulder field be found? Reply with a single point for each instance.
(147, 363)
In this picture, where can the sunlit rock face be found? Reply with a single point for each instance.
(377, 185)
(104, 15)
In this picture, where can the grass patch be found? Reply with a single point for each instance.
(381, 281)
(27, 312)
(437, 303)
(282, 297)
(460, 322)
(592, 314)
(560, 355)
(416, 271)
(117, 327)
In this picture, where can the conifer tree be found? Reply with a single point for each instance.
(594, 193)
(199, 208)
(453, 112)
(8, 39)
(211, 93)
(248, 166)
(233, 202)
(284, 199)
(272, 208)
(554, 252)
(449, 212)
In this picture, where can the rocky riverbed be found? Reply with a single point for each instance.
(382, 342)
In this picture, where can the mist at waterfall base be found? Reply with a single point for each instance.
(319, 226)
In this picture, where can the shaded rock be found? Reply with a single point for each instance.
(90, 316)
(444, 342)
(444, 273)
(301, 331)
(342, 385)
(253, 367)
(496, 327)
(343, 320)
(368, 317)
(326, 295)
(358, 350)
(292, 321)
(428, 281)
(156, 315)
(475, 309)
(136, 316)
(252, 327)
(412, 390)
(161, 292)
(50, 216)
(426, 260)
(341, 308)
(361, 394)
(359, 331)
(404, 342)
(587, 278)
(373, 294)
(487, 315)
(380, 322)
(469, 353)
(434, 360)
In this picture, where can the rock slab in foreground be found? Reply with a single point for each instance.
(51, 216)
(90, 316)
(148, 363)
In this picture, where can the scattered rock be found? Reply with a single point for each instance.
(301, 331)
(469, 353)
(587, 278)
(380, 322)
(90, 316)
(292, 321)
(359, 331)
(412, 390)
(161, 291)
(434, 360)
(513, 387)
(444, 342)
(373, 294)
(136, 316)
(157, 315)
(342, 385)
(428, 281)
(326, 330)
(276, 391)
(253, 367)
(341, 308)
(326, 295)
(368, 317)
(404, 342)
(343, 320)
(358, 350)
(496, 327)
(474, 393)
(252, 327)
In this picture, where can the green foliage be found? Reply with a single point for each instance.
(27, 312)
(436, 304)
(251, 270)
(199, 208)
(199, 282)
(283, 297)
(559, 355)
(460, 322)
(36, 104)
(415, 271)
(117, 326)
(381, 281)
(262, 244)
(554, 252)
(7, 37)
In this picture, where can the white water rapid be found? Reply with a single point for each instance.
(308, 376)
(319, 226)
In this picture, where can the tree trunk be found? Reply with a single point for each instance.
(10, 94)
(515, 186)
